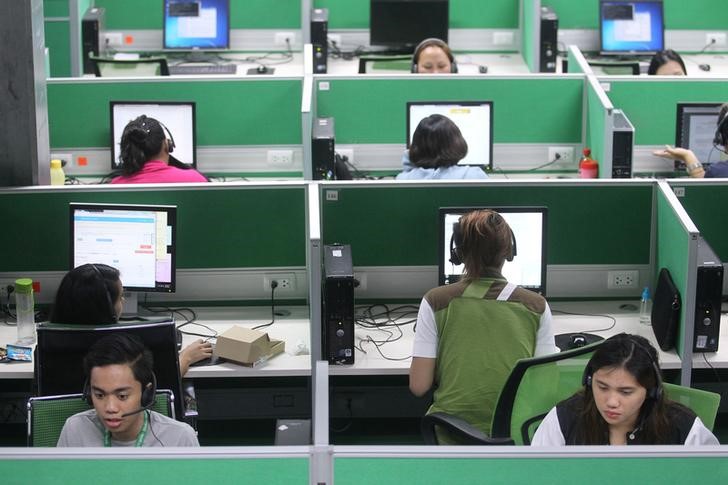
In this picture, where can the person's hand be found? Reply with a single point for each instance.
(675, 153)
(194, 352)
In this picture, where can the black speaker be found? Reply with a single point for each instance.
(92, 25)
(319, 39)
(323, 155)
(338, 305)
(708, 291)
(549, 35)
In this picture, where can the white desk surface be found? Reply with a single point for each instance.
(243, 61)
(497, 64)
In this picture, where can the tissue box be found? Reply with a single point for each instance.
(247, 347)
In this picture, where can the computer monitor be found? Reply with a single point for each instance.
(528, 268)
(196, 24)
(177, 116)
(400, 25)
(138, 240)
(474, 118)
(631, 27)
(695, 130)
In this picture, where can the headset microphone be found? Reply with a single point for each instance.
(149, 394)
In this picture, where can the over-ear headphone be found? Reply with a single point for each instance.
(149, 394)
(719, 139)
(653, 394)
(456, 243)
(170, 145)
(433, 41)
(110, 303)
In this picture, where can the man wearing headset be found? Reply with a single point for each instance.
(433, 56)
(692, 164)
(471, 333)
(121, 387)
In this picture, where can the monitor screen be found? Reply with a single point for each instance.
(196, 24)
(137, 240)
(474, 118)
(631, 27)
(402, 24)
(178, 117)
(695, 129)
(528, 268)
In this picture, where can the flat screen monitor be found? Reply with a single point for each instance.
(695, 129)
(138, 240)
(528, 268)
(631, 27)
(178, 117)
(196, 24)
(473, 118)
(402, 24)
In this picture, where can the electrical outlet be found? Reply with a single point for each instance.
(502, 38)
(362, 279)
(113, 39)
(622, 279)
(4, 290)
(282, 37)
(346, 152)
(286, 281)
(280, 157)
(715, 38)
(566, 155)
(334, 39)
(66, 157)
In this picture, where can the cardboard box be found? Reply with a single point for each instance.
(247, 347)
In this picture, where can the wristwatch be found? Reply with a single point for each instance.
(693, 166)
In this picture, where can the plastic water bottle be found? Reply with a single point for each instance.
(646, 307)
(25, 311)
(588, 167)
(58, 177)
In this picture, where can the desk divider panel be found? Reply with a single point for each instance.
(531, 33)
(598, 125)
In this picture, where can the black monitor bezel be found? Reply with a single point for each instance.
(679, 119)
(171, 211)
(633, 52)
(407, 45)
(489, 163)
(115, 165)
(193, 49)
(442, 244)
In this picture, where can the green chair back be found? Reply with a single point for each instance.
(703, 403)
(47, 415)
(108, 67)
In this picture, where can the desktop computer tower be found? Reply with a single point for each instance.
(319, 38)
(338, 305)
(323, 155)
(622, 145)
(708, 291)
(92, 25)
(549, 35)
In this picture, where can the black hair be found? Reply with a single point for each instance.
(119, 348)
(663, 57)
(432, 42)
(141, 140)
(87, 295)
(437, 142)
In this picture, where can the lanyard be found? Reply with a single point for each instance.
(139, 439)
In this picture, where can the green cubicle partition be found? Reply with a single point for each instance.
(530, 32)
(59, 27)
(599, 112)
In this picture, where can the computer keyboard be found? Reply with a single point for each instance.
(203, 69)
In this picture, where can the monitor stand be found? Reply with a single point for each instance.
(130, 308)
(201, 56)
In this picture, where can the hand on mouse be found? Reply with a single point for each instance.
(194, 352)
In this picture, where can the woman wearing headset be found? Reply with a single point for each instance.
(471, 333)
(692, 164)
(145, 156)
(622, 403)
(433, 56)
(667, 63)
(91, 294)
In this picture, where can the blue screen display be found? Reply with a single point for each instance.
(635, 26)
(196, 24)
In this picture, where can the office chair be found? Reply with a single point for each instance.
(109, 67)
(703, 403)
(393, 63)
(534, 386)
(617, 68)
(47, 415)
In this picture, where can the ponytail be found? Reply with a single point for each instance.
(141, 140)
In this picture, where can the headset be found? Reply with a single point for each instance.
(719, 139)
(653, 394)
(149, 396)
(169, 137)
(433, 41)
(110, 303)
(456, 244)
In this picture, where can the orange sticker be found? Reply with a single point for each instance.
(82, 161)
(128, 39)
(36, 287)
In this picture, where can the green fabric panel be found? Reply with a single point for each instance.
(216, 228)
(575, 14)
(55, 8)
(244, 14)
(220, 471)
(464, 14)
(231, 112)
(397, 226)
(574, 67)
(534, 471)
(58, 41)
(529, 32)
(543, 110)
(595, 127)
(702, 202)
(652, 106)
(672, 253)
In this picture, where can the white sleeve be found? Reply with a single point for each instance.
(425, 333)
(549, 431)
(700, 435)
(545, 343)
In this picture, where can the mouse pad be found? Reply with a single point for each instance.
(565, 341)
(214, 360)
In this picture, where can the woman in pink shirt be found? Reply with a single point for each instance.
(145, 156)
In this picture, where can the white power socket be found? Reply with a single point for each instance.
(622, 279)
(715, 38)
(502, 38)
(280, 157)
(566, 155)
(286, 281)
(334, 39)
(346, 152)
(113, 39)
(282, 37)
(362, 279)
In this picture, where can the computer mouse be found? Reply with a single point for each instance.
(577, 340)
(704, 67)
(483, 69)
(262, 69)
